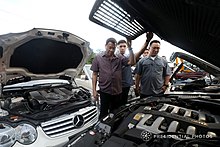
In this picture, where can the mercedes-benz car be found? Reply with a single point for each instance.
(41, 104)
(187, 115)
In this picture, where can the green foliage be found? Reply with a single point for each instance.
(91, 57)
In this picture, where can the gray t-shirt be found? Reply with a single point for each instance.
(152, 74)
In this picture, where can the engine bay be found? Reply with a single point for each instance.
(160, 121)
(46, 102)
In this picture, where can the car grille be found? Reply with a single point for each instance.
(64, 124)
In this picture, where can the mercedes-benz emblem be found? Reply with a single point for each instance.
(78, 121)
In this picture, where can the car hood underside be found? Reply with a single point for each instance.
(42, 53)
(192, 25)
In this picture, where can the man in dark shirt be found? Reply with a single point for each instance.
(108, 67)
(127, 79)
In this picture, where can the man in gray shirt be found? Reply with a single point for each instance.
(153, 71)
(108, 67)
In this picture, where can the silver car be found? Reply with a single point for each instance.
(41, 105)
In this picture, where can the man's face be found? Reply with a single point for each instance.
(110, 48)
(146, 52)
(154, 49)
(122, 47)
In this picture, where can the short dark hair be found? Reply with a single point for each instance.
(154, 41)
(121, 41)
(112, 40)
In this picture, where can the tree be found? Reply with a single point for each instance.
(91, 57)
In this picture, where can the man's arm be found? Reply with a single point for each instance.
(137, 84)
(94, 83)
(166, 82)
(149, 36)
(131, 53)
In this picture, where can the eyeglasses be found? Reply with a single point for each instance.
(122, 46)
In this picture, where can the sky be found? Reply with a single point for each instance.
(66, 15)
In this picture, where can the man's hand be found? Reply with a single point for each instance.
(95, 95)
(164, 88)
(137, 91)
(149, 36)
(128, 42)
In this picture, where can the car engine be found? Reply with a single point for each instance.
(160, 121)
(45, 103)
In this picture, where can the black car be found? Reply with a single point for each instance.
(187, 115)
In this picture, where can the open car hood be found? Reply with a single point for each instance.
(42, 53)
(210, 68)
(192, 25)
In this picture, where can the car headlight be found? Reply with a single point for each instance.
(7, 135)
(25, 134)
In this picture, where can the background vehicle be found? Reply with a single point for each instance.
(180, 117)
(197, 83)
(41, 105)
(85, 78)
(188, 70)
